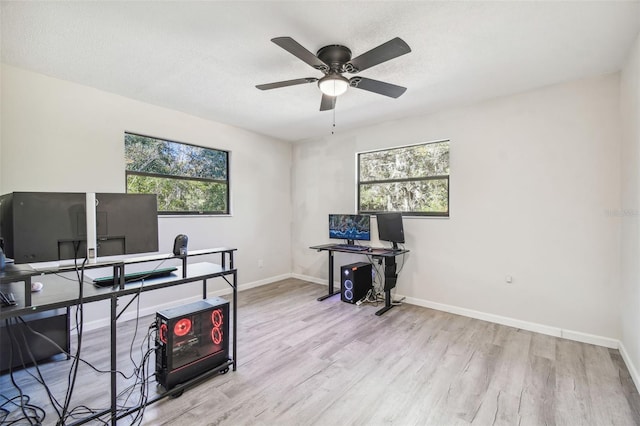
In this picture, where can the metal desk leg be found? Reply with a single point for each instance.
(27, 291)
(235, 317)
(114, 352)
(387, 303)
(330, 286)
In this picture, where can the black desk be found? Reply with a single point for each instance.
(61, 293)
(390, 273)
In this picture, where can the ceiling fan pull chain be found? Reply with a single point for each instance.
(334, 121)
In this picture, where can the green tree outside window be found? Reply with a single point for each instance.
(188, 179)
(412, 179)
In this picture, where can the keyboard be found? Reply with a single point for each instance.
(135, 276)
(350, 247)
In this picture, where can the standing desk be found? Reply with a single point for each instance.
(390, 273)
(61, 293)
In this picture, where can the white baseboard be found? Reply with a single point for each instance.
(497, 319)
(149, 310)
(593, 339)
(630, 365)
(513, 322)
(315, 280)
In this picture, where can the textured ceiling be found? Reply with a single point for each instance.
(205, 57)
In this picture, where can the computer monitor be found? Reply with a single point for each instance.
(43, 226)
(390, 228)
(126, 223)
(52, 226)
(350, 227)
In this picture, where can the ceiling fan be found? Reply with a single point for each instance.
(335, 60)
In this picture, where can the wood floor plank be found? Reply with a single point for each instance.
(573, 400)
(607, 398)
(304, 362)
(537, 397)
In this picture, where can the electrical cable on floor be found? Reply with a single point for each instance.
(29, 412)
(62, 350)
(33, 414)
(72, 413)
(40, 378)
(141, 381)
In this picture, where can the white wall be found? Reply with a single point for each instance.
(60, 136)
(535, 191)
(630, 210)
(534, 179)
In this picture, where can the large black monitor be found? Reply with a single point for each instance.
(390, 228)
(350, 227)
(43, 226)
(51, 226)
(126, 223)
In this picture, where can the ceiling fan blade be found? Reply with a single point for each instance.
(375, 86)
(328, 102)
(286, 83)
(297, 50)
(377, 55)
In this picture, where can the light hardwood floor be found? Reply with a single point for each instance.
(303, 362)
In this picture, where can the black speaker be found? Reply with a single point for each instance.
(355, 281)
(180, 245)
(192, 339)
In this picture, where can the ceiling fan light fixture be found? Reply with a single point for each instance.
(333, 84)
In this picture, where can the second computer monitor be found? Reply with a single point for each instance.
(390, 228)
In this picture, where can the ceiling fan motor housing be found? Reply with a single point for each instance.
(335, 56)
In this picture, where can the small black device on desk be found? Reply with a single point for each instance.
(7, 299)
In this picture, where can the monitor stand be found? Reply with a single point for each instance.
(351, 242)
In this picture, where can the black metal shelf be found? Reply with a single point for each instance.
(58, 293)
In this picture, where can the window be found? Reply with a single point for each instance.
(188, 179)
(412, 179)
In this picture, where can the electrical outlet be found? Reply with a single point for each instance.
(260, 263)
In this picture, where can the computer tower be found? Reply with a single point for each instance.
(355, 281)
(191, 340)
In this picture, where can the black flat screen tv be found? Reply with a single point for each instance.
(390, 228)
(350, 227)
(51, 226)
